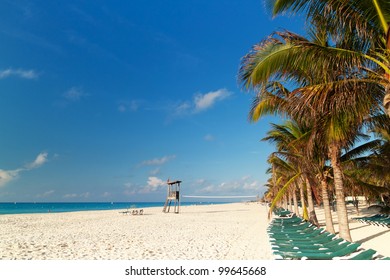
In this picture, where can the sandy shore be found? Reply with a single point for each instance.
(210, 232)
(213, 232)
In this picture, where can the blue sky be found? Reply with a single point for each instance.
(106, 100)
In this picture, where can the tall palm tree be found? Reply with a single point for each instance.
(327, 92)
(364, 26)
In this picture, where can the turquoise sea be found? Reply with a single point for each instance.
(56, 207)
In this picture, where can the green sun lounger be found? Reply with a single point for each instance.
(309, 250)
(298, 235)
(344, 251)
(308, 245)
(326, 236)
(368, 254)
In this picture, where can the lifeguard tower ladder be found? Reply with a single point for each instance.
(173, 194)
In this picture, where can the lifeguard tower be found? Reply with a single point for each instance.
(173, 195)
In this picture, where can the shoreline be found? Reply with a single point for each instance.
(58, 207)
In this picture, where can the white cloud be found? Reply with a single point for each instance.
(7, 176)
(243, 186)
(74, 94)
(75, 195)
(39, 161)
(70, 195)
(205, 101)
(20, 73)
(201, 102)
(158, 161)
(153, 184)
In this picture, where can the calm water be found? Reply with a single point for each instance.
(27, 207)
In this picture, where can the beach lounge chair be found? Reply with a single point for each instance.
(141, 212)
(369, 254)
(307, 245)
(331, 247)
(134, 212)
(377, 219)
(125, 212)
(337, 251)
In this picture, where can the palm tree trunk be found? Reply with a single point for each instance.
(312, 212)
(325, 201)
(356, 204)
(285, 201)
(305, 216)
(290, 201)
(386, 100)
(296, 209)
(334, 154)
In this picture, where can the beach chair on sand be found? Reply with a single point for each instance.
(141, 211)
(337, 251)
(377, 220)
(126, 212)
(368, 254)
(305, 245)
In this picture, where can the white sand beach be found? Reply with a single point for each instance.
(210, 232)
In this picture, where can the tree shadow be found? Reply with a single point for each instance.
(359, 227)
(372, 236)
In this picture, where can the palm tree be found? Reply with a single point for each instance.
(292, 158)
(327, 92)
(364, 26)
(366, 167)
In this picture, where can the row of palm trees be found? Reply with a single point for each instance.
(332, 88)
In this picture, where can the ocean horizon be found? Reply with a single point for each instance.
(7, 208)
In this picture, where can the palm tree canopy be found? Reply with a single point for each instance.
(364, 18)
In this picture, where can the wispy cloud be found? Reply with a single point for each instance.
(106, 194)
(153, 184)
(39, 161)
(156, 171)
(158, 161)
(129, 106)
(205, 101)
(209, 138)
(243, 186)
(7, 176)
(45, 194)
(77, 195)
(74, 94)
(201, 102)
(19, 73)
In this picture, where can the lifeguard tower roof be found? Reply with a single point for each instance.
(173, 182)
